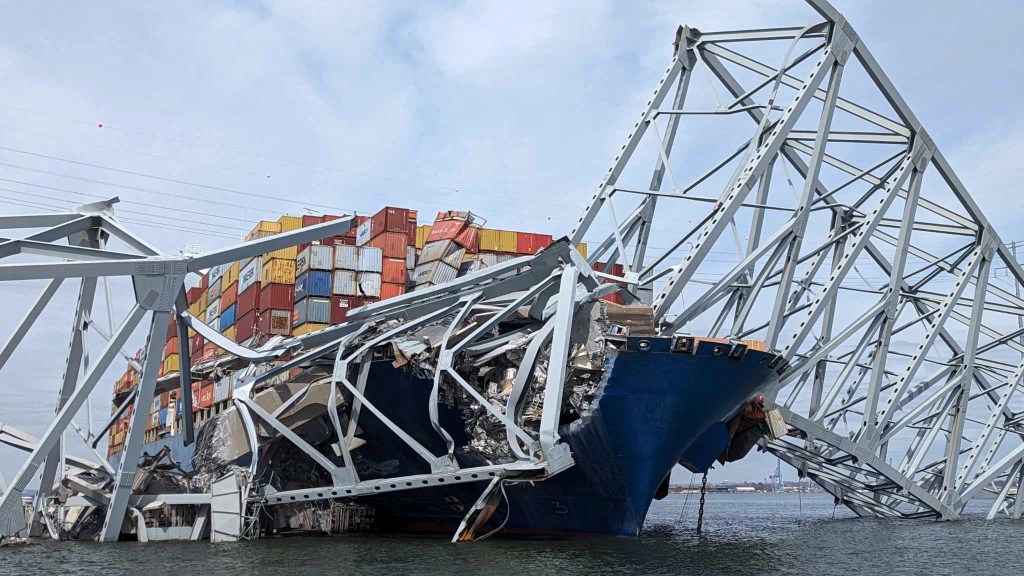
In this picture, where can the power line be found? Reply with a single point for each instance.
(246, 153)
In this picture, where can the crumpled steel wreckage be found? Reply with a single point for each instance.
(867, 267)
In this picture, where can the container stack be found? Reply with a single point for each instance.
(312, 294)
(229, 299)
(453, 235)
(278, 285)
(384, 241)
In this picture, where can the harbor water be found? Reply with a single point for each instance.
(743, 534)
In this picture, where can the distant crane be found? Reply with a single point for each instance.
(778, 485)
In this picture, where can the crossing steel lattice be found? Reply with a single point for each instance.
(784, 192)
(852, 247)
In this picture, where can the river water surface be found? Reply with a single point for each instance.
(743, 534)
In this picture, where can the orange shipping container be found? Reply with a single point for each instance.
(391, 244)
(393, 271)
(229, 296)
(390, 290)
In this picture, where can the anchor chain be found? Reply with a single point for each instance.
(700, 511)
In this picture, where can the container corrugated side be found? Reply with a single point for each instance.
(289, 223)
(214, 292)
(410, 257)
(370, 259)
(222, 388)
(340, 305)
(288, 253)
(391, 244)
(390, 290)
(422, 232)
(436, 272)
(346, 257)
(229, 295)
(252, 273)
(309, 328)
(275, 321)
(212, 312)
(230, 275)
(314, 257)
(368, 284)
(363, 233)
(278, 296)
(393, 270)
(278, 271)
(263, 229)
(313, 283)
(344, 283)
(313, 309)
(227, 317)
(508, 241)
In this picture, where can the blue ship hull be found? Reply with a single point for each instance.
(658, 408)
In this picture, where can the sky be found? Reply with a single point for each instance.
(209, 116)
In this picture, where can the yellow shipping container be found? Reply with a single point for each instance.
(204, 303)
(263, 229)
(170, 364)
(191, 332)
(193, 309)
(508, 241)
(230, 275)
(582, 249)
(230, 332)
(279, 271)
(289, 223)
(307, 328)
(289, 253)
(421, 235)
(489, 240)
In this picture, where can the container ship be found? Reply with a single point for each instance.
(660, 400)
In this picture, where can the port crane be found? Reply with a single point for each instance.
(854, 250)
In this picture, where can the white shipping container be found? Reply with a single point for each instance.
(213, 312)
(370, 259)
(369, 284)
(436, 272)
(216, 272)
(434, 250)
(222, 389)
(251, 274)
(346, 257)
(155, 405)
(314, 257)
(363, 233)
(344, 283)
(488, 259)
(410, 257)
(454, 257)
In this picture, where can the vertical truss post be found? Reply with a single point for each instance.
(72, 368)
(557, 371)
(801, 215)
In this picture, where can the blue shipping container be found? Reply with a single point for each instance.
(163, 417)
(313, 283)
(179, 404)
(313, 309)
(227, 317)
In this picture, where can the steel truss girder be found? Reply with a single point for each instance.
(838, 267)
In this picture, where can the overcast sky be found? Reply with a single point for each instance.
(236, 111)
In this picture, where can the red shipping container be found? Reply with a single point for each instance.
(172, 328)
(528, 243)
(390, 219)
(194, 294)
(204, 281)
(280, 296)
(311, 220)
(246, 326)
(391, 289)
(229, 296)
(393, 271)
(340, 305)
(469, 238)
(209, 352)
(391, 244)
(196, 344)
(445, 229)
(206, 395)
(275, 321)
(165, 399)
(171, 347)
(249, 299)
(615, 270)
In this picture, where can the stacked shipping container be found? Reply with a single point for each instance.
(302, 289)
